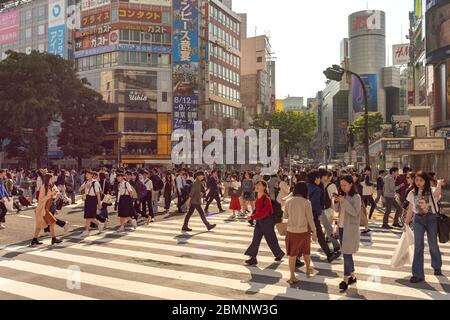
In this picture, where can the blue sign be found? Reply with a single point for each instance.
(56, 36)
(185, 72)
(371, 84)
(185, 31)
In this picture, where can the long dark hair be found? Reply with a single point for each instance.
(301, 189)
(349, 180)
(264, 184)
(427, 187)
(47, 182)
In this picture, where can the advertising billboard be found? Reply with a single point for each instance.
(107, 28)
(438, 31)
(57, 27)
(153, 2)
(96, 19)
(97, 41)
(92, 4)
(185, 73)
(9, 26)
(400, 54)
(371, 83)
(141, 15)
(367, 22)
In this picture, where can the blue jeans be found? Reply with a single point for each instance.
(349, 264)
(329, 230)
(429, 225)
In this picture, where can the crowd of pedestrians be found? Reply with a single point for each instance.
(331, 207)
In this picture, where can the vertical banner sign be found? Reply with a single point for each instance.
(370, 81)
(9, 26)
(185, 72)
(57, 27)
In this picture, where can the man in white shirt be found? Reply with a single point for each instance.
(180, 183)
(147, 201)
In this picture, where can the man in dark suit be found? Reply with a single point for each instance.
(214, 194)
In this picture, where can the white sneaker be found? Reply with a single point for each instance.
(152, 220)
(84, 234)
(66, 227)
(134, 224)
(121, 229)
(2, 226)
(101, 227)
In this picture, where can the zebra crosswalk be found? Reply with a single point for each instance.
(161, 262)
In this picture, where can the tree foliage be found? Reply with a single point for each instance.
(35, 89)
(296, 129)
(357, 127)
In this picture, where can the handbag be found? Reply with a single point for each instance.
(443, 224)
(282, 228)
(404, 252)
(48, 217)
(9, 204)
(107, 199)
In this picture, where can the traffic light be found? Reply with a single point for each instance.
(334, 74)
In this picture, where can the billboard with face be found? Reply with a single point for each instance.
(438, 30)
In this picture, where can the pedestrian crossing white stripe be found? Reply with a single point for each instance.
(36, 292)
(244, 226)
(230, 255)
(173, 229)
(234, 284)
(141, 288)
(362, 285)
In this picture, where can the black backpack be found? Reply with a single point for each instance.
(158, 184)
(326, 199)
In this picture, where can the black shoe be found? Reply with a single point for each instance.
(343, 286)
(211, 226)
(397, 225)
(333, 256)
(366, 231)
(186, 229)
(35, 241)
(438, 272)
(280, 257)
(56, 241)
(251, 222)
(251, 262)
(352, 280)
(416, 280)
(299, 263)
(221, 211)
(387, 227)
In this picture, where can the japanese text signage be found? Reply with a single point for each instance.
(9, 26)
(139, 15)
(97, 41)
(185, 73)
(107, 28)
(57, 27)
(95, 19)
(153, 2)
(92, 4)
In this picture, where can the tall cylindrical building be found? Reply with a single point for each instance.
(367, 47)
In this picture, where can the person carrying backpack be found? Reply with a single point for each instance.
(264, 227)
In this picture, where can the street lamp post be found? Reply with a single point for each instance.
(336, 73)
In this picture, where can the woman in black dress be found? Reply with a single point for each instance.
(125, 207)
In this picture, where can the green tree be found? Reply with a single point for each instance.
(34, 89)
(357, 127)
(296, 129)
(81, 132)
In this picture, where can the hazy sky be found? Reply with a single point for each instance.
(306, 35)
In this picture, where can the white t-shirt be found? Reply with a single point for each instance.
(91, 188)
(125, 188)
(416, 200)
(148, 184)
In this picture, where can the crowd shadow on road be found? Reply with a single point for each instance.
(259, 281)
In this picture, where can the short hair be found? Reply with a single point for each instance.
(394, 169)
(381, 172)
(367, 169)
(406, 169)
(2, 171)
(313, 175)
(198, 174)
(301, 189)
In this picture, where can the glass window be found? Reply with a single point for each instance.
(114, 58)
(143, 57)
(41, 29)
(133, 57)
(114, 14)
(124, 35)
(154, 59)
(28, 33)
(165, 59)
(166, 17)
